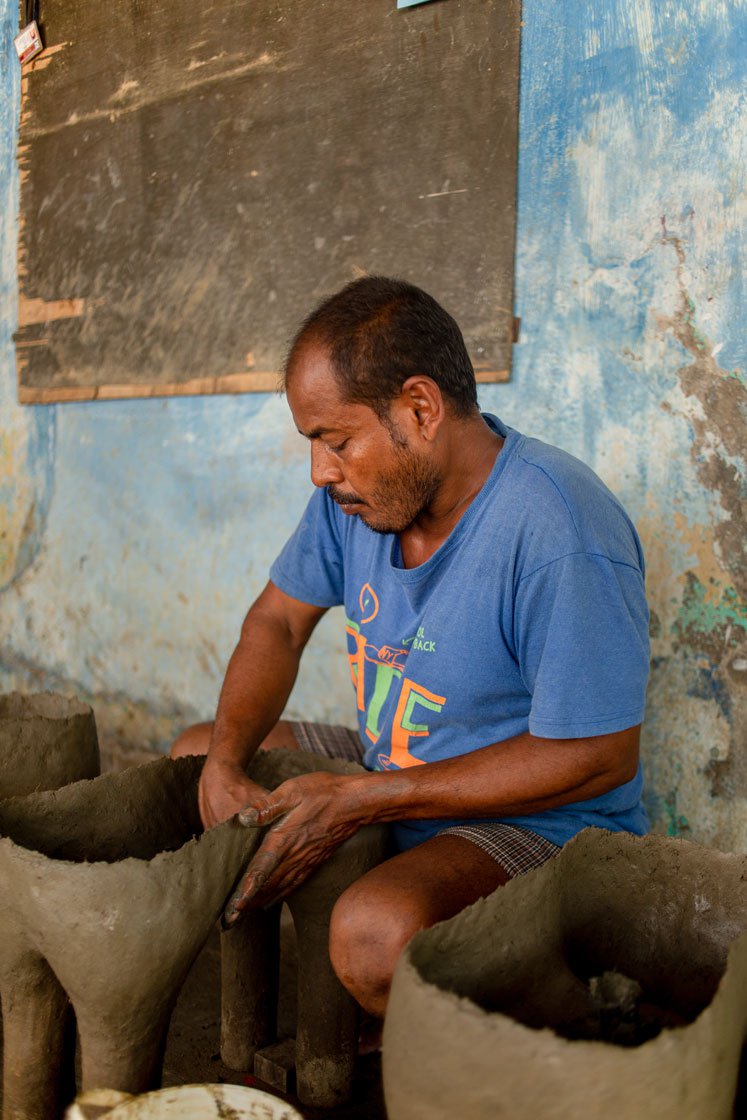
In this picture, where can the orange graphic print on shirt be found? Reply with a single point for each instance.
(386, 664)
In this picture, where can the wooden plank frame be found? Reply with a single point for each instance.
(194, 180)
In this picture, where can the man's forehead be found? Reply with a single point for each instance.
(311, 370)
(315, 398)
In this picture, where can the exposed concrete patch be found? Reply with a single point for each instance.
(712, 620)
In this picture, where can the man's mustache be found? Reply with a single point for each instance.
(342, 498)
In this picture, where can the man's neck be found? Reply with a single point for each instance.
(470, 455)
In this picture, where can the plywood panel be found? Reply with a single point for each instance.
(194, 178)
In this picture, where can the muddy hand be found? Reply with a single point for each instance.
(308, 817)
(224, 789)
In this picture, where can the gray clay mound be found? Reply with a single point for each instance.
(46, 741)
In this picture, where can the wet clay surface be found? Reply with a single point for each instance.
(622, 1014)
(192, 1049)
(192, 1052)
(610, 1007)
(610, 983)
(109, 895)
(111, 890)
(46, 741)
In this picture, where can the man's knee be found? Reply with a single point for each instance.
(368, 931)
(282, 737)
(194, 740)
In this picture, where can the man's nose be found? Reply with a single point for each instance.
(324, 470)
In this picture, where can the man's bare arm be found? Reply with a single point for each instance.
(526, 774)
(523, 775)
(258, 682)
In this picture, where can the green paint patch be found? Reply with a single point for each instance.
(700, 339)
(676, 823)
(710, 611)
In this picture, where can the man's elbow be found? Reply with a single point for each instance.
(619, 757)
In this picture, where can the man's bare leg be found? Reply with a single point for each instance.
(196, 739)
(375, 917)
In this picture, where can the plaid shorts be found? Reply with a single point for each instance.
(516, 849)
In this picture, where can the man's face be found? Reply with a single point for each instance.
(370, 469)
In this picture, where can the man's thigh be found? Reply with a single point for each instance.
(375, 917)
(425, 884)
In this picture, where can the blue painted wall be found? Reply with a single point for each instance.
(134, 534)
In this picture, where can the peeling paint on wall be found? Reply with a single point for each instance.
(632, 220)
(712, 622)
(26, 440)
(137, 532)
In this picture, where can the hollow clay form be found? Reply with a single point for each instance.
(610, 983)
(46, 741)
(109, 893)
(326, 1035)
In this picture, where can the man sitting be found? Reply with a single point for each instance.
(497, 636)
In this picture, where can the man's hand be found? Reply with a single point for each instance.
(258, 682)
(224, 789)
(310, 816)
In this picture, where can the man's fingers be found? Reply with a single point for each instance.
(273, 891)
(224, 790)
(277, 891)
(297, 840)
(257, 874)
(263, 811)
(240, 900)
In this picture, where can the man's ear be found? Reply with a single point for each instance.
(421, 406)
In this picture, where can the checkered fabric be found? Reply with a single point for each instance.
(516, 849)
(331, 741)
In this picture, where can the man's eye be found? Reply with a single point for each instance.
(337, 448)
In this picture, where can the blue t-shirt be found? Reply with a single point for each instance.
(530, 616)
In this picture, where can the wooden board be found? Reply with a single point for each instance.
(195, 177)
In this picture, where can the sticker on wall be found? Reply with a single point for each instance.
(28, 43)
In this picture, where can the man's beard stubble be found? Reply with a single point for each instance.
(401, 494)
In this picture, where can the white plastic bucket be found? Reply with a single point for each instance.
(183, 1102)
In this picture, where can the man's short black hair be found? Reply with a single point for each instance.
(378, 332)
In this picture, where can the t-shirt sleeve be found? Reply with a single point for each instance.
(309, 568)
(581, 636)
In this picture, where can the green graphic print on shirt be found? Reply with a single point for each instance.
(387, 663)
